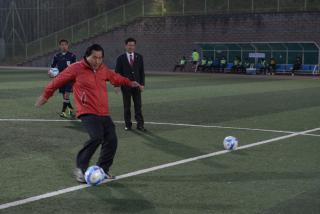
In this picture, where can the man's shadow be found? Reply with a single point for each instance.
(174, 148)
(118, 197)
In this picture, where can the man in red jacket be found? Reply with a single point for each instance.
(89, 78)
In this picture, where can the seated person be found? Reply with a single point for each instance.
(236, 65)
(223, 64)
(209, 65)
(203, 64)
(181, 64)
(296, 66)
(244, 66)
(264, 66)
(272, 66)
(216, 65)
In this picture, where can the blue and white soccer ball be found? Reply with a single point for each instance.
(230, 143)
(94, 175)
(53, 72)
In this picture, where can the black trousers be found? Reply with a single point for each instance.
(101, 130)
(179, 66)
(135, 94)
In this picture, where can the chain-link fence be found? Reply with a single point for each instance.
(143, 8)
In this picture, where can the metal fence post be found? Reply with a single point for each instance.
(38, 18)
(106, 22)
(88, 25)
(205, 7)
(72, 32)
(183, 7)
(143, 8)
(228, 6)
(278, 5)
(162, 8)
(124, 14)
(56, 38)
(252, 6)
(41, 50)
(26, 51)
(305, 5)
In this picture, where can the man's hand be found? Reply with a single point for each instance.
(117, 90)
(135, 84)
(40, 101)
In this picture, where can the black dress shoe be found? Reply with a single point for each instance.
(109, 176)
(141, 128)
(127, 128)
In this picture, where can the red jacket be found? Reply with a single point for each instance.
(89, 87)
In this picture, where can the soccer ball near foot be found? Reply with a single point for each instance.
(94, 175)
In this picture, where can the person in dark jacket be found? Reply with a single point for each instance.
(61, 61)
(130, 65)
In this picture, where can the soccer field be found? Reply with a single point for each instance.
(275, 170)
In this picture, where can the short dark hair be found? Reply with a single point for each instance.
(63, 40)
(130, 40)
(94, 47)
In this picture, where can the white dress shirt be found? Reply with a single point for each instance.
(128, 56)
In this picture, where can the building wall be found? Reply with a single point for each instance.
(163, 40)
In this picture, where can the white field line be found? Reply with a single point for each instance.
(151, 169)
(20, 68)
(169, 124)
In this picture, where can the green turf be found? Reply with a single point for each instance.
(281, 177)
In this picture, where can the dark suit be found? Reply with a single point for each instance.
(134, 73)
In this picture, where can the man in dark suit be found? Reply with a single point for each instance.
(130, 65)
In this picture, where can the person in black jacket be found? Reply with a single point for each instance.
(130, 65)
(61, 61)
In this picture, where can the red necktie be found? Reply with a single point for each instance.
(131, 60)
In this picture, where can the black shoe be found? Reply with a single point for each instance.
(141, 128)
(127, 128)
(109, 176)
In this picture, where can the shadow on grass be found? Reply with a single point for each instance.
(120, 198)
(174, 148)
(306, 202)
